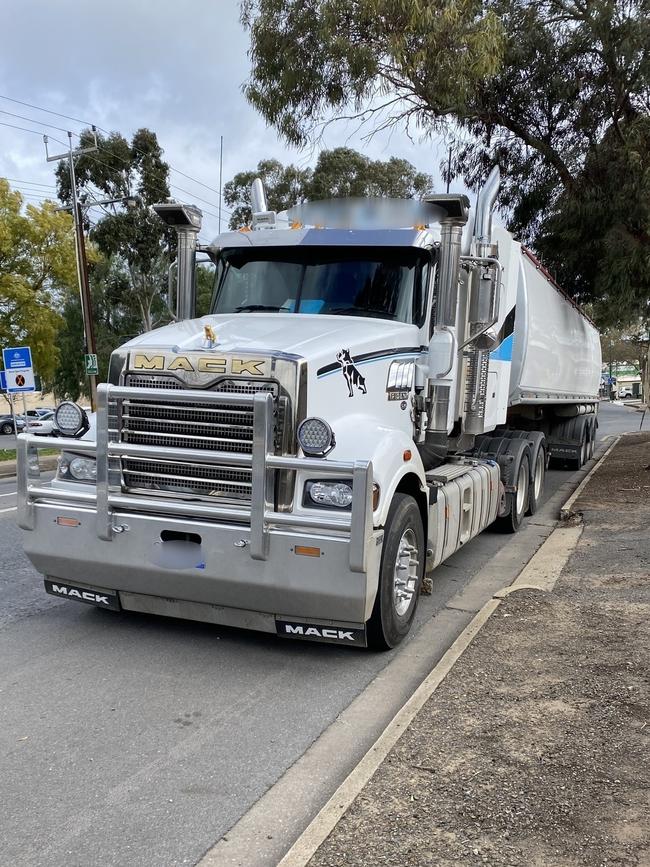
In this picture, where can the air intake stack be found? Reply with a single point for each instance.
(186, 220)
(443, 346)
(483, 309)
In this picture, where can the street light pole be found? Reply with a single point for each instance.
(80, 255)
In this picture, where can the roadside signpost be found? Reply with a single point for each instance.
(18, 374)
(91, 364)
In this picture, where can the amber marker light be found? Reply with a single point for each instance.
(62, 521)
(306, 551)
(407, 454)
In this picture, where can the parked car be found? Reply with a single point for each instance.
(7, 424)
(625, 392)
(39, 411)
(41, 426)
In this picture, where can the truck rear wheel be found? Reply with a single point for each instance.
(400, 575)
(517, 500)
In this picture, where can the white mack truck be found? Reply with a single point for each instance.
(358, 405)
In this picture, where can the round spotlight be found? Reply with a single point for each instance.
(71, 420)
(315, 437)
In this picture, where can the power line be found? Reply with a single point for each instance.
(32, 120)
(87, 123)
(23, 128)
(31, 183)
(46, 110)
(123, 160)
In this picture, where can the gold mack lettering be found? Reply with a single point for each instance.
(202, 364)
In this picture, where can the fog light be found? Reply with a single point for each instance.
(315, 437)
(71, 420)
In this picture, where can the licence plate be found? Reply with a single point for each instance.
(89, 595)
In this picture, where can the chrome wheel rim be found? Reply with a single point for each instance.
(539, 474)
(522, 488)
(405, 576)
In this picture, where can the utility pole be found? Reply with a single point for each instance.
(449, 169)
(80, 254)
(220, 179)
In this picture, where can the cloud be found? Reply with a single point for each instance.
(176, 68)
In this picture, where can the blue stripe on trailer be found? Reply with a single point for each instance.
(503, 352)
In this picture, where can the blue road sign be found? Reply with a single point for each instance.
(3, 381)
(17, 357)
(19, 374)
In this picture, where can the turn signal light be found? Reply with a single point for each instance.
(62, 521)
(306, 551)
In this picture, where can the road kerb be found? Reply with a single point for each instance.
(566, 512)
(325, 821)
(545, 566)
(540, 573)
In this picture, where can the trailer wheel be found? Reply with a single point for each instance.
(538, 477)
(592, 441)
(583, 454)
(517, 500)
(400, 575)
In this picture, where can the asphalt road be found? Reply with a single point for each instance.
(133, 740)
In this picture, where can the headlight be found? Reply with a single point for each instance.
(76, 468)
(71, 420)
(336, 494)
(315, 437)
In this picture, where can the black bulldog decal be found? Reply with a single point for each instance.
(350, 372)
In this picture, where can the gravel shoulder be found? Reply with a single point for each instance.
(535, 750)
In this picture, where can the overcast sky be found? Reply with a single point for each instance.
(176, 68)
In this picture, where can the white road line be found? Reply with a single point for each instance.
(12, 509)
(10, 494)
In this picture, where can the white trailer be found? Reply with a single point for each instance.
(358, 405)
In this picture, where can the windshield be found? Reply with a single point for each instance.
(386, 283)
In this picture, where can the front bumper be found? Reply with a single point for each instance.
(246, 558)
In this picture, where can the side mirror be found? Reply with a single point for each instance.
(442, 351)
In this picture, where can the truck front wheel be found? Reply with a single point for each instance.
(400, 575)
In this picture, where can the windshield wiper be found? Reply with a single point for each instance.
(360, 311)
(252, 308)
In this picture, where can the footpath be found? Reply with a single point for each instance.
(534, 749)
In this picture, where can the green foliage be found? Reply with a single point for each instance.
(339, 173)
(37, 267)
(312, 58)
(116, 318)
(135, 236)
(284, 185)
(556, 91)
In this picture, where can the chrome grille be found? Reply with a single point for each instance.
(226, 428)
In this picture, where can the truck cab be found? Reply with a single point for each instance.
(299, 459)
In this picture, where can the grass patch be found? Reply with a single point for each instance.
(10, 454)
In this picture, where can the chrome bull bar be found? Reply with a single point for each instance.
(108, 499)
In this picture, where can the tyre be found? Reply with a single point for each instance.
(538, 477)
(517, 500)
(400, 575)
(7, 428)
(592, 441)
(583, 455)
